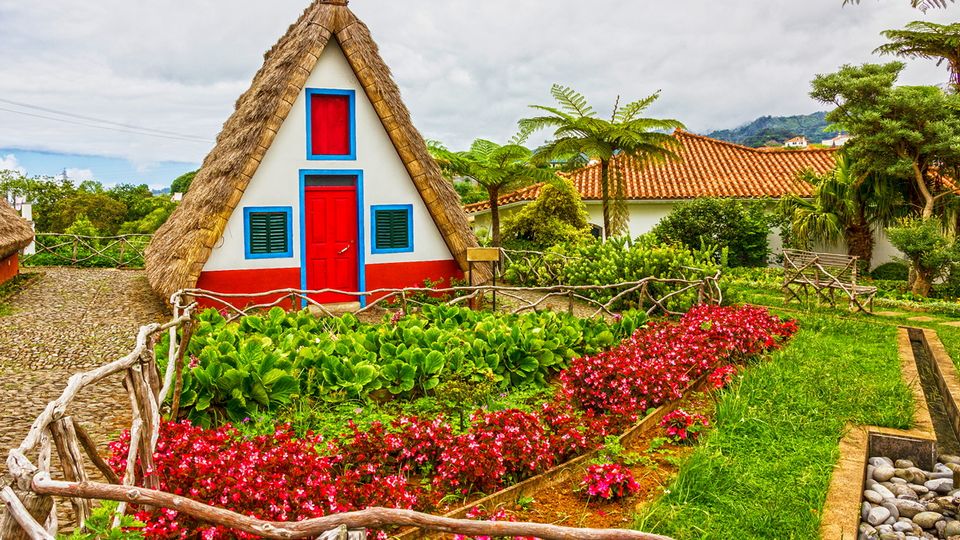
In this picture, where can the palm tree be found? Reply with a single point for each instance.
(843, 207)
(922, 5)
(580, 135)
(497, 168)
(921, 39)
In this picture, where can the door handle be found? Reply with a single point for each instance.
(344, 250)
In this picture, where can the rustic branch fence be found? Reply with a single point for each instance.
(28, 489)
(706, 290)
(56, 249)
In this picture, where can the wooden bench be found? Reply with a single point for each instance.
(824, 274)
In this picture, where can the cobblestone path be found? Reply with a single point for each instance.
(64, 321)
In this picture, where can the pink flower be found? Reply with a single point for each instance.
(609, 481)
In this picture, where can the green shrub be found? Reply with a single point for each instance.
(99, 526)
(593, 262)
(891, 271)
(253, 366)
(558, 215)
(739, 226)
(932, 254)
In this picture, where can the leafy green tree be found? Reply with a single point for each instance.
(922, 39)
(43, 192)
(148, 224)
(842, 208)
(903, 132)
(105, 212)
(137, 198)
(931, 253)
(739, 226)
(470, 192)
(182, 183)
(497, 168)
(557, 216)
(90, 186)
(579, 135)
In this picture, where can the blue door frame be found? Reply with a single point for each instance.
(361, 244)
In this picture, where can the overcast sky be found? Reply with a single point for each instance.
(466, 68)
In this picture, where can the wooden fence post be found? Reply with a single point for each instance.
(36, 506)
(65, 438)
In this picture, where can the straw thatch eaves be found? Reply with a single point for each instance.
(15, 232)
(179, 249)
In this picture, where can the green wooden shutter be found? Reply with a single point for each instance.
(393, 229)
(268, 233)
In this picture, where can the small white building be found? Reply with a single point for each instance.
(797, 142)
(707, 168)
(837, 141)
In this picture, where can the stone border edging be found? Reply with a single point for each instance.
(841, 511)
(563, 471)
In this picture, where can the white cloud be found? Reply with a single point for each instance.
(9, 163)
(79, 175)
(466, 68)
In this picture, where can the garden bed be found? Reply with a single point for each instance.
(427, 462)
(554, 488)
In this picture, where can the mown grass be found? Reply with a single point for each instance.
(764, 469)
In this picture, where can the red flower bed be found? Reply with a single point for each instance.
(657, 363)
(414, 463)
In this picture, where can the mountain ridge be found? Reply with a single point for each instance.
(768, 129)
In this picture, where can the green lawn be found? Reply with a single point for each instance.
(763, 471)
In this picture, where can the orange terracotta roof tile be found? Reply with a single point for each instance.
(707, 168)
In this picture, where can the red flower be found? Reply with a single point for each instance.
(609, 481)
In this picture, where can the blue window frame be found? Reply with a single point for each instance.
(268, 232)
(351, 121)
(391, 228)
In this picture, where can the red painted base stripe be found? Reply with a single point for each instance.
(379, 276)
(9, 267)
(247, 281)
(411, 274)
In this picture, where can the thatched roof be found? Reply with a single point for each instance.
(15, 232)
(179, 249)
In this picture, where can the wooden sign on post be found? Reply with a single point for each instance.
(483, 254)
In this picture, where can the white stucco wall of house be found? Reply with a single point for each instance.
(644, 216)
(277, 180)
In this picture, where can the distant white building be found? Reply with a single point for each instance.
(176, 197)
(797, 142)
(837, 141)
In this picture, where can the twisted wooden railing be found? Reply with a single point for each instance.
(56, 249)
(644, 292)
(28, 488)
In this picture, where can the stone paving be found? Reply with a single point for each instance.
(69, 320)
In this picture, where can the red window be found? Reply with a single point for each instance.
(331, 124)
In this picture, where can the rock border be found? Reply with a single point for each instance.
(841, 511)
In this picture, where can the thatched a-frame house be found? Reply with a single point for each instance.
(318, 180)
(15, 234)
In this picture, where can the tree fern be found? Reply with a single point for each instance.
(572, 101)
(922, 39)
(922, 5)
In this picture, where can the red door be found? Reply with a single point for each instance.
(330, 216)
